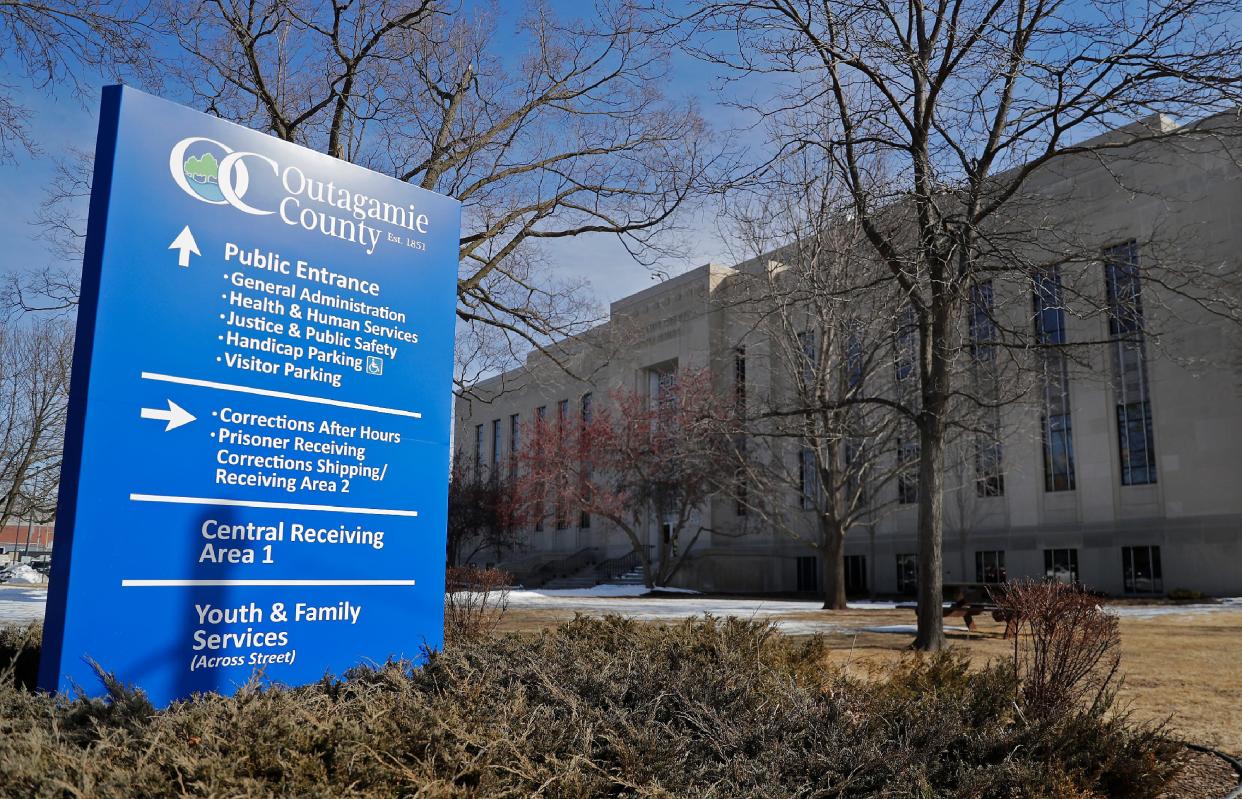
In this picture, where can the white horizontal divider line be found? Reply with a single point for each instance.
(250, 503)
(224, 583)
(263, 392)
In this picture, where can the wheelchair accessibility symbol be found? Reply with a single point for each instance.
(375, 365)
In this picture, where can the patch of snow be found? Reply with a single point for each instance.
(597, 591)
(22, 574)
(535, 596)
(809, 627)
(631, 602)
(21, 605)
(654, 608)
(907, 629)
(1155, 611)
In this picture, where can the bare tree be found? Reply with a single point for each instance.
(483, 513)
(53, 288)
(945, 118)
(59, 46)
(574, 137)
(821, 438)
(34, 390)
(54, 43)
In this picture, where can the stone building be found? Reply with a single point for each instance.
(1127, 476)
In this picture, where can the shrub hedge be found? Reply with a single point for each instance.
(607, 707)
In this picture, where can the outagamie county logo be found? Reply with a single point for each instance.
(212, 172)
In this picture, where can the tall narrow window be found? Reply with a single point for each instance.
(1056, 426)
(741, 487)
(1048, 300)
(541, 430)
(478, 451)
(496, 445)
(989, 479)
(1057, 432)
(1136, 445)
(855, 357)
(739, 376)
(1134, 433)
(808, 478)
(908, 470)
(905, 344)
(584, 414)
(855, 473)
(989, 474)
(562, 419)
(982, 324)
(809, 355)
(515, 432)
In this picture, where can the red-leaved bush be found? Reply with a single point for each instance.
(634, 458)
(1067, 650)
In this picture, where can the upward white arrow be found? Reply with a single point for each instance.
(186, 244)
(175, 415)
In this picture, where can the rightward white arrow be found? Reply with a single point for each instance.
(186, 244)
(175, 415)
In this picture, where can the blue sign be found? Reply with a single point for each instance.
(257, 455)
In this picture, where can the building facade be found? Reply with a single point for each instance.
(1121, 469)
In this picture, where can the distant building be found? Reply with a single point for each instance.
(1127, 477)
(20, 540)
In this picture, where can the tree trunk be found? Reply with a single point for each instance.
(648, 572)
(833, 566)
(649, 567)
(20, 476)
(662, 556)
(930, 636)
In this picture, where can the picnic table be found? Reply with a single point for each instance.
(969, 600)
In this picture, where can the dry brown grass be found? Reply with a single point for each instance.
(1185, 667)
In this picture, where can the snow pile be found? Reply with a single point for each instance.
(22, 574)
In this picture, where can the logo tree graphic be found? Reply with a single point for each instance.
(202, 169)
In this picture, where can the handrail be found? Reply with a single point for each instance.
(613, 568)
(520, 567)
(563, 567)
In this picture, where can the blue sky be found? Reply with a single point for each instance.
(61, 121)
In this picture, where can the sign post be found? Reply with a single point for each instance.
(257, 453)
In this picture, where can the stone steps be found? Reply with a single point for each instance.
(587, 579)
